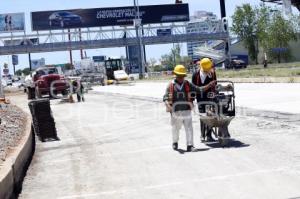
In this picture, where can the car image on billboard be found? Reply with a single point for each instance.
(64, 19)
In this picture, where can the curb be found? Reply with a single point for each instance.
(15, 167)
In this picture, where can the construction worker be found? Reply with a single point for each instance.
(204, 76)
(179, 102)
(78, 89)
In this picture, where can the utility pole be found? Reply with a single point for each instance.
(70, 52)
(81, 50)
(137, 24)
(29, 59)
(223, 8)
(223, 15)
(1, 88)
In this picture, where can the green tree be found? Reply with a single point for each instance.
(151, 63)
(26, 71)
(173, 58)
(244, 25)
(263, 24)
(267, 27)
(68, 66)
(158, 68)
(280, 32)
(186, 61)
(19, 72)
(5, 65)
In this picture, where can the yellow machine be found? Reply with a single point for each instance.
(115, 71)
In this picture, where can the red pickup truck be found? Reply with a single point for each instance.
(47, 81)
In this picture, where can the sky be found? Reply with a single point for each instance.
(154, 51)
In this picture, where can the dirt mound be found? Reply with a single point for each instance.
(12, 125)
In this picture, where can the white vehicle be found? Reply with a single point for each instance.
(3, 82)
(9, 82)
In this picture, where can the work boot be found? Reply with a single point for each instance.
(190, 148)
(209, 138)
(202, 139)
(175, 146)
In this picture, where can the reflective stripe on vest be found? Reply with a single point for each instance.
(187, 90)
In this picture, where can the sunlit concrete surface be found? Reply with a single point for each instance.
(116, 147)
(283, 97)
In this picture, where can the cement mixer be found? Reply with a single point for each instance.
(220, 111)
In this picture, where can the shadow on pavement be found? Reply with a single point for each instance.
(231, 144)
(181, 151)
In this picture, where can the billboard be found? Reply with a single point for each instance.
(15, 59)
(118, 16)
(133, 57)
(36, 63)
(164, 32)
(98, 58)
(12, 22)
(21, 42)
(5, 71)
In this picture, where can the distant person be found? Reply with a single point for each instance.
(10, 22)
(265, 60)
(79, 90)
(6, 18)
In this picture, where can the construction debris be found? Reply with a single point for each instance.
(42, 119)
(12, 126)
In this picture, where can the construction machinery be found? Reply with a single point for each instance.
(220, 111)
(115, 71)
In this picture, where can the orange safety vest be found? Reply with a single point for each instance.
(187, 90)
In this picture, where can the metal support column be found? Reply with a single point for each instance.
(29, 59)
(223, 15)
(71, 56)
(139, 39)
(80, 39)
(1, 88)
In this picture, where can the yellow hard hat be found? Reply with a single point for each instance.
(206, 64)
(180, 70)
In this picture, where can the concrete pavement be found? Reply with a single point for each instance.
(282, 97)
(117, 147)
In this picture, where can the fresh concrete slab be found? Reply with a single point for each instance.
(282, 97)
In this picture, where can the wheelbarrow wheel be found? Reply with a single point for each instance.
(223, 141)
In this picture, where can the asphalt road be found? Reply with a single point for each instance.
(120, 147)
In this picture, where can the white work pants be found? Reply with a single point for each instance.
(177, 119)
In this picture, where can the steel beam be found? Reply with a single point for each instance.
(109, 43)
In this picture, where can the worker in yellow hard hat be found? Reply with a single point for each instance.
(179, 102)
(201, 77)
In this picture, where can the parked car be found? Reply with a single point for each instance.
(64, 19)
(238, 64)
(15, 78)
(9, 82)
(46, 81)
(3, 82)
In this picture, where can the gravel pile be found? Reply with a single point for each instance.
(12, 126)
